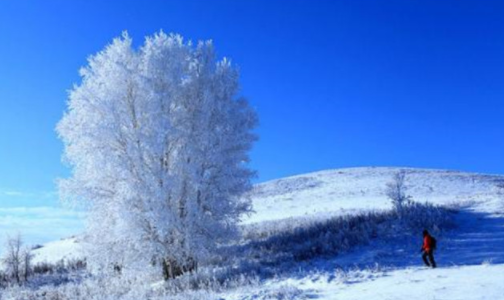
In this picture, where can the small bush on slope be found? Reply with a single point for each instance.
(418, 216)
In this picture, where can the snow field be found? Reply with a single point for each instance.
(455, 283)
(321, 195)
(470, 257)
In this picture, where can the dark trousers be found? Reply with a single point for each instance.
(430, 255)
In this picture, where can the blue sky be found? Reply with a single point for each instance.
(335, 83)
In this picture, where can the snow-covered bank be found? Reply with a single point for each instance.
(482, 282)
(417, 283)
(454, 283)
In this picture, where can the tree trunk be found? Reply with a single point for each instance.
(173, 269)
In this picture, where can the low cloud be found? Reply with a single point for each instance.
(14, 194)
(39, 225)
(25, 194)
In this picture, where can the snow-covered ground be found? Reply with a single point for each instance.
(466, 282)
(470, 258)
(413, 283)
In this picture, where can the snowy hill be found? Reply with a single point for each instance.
(473, 253)
(66, 249)
(342, 191)
(385, 268)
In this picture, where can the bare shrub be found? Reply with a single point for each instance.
(17, 260)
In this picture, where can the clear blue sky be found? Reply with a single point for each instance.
(335, 83)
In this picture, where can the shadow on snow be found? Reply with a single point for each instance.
(477, 238)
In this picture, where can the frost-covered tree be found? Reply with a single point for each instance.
(396, 191)
(158, 142)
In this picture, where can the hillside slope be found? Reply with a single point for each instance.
(342, 191)
(470, 258)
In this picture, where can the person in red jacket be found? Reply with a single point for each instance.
(428, 247)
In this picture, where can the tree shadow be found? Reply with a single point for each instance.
(477, 239)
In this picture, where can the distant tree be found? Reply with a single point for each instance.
(26, 263)
(499, 186)
(499, 190)
(17, 259)
(396, 191)
(158, 141)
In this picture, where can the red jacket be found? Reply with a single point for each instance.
(427, 243)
